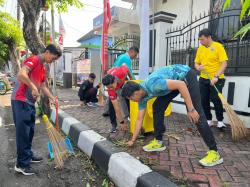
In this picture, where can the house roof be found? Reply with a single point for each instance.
(90, 34)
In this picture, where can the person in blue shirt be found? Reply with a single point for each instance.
(127, 58)
(165, 84)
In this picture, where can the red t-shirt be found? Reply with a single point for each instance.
(120, 74)
(37, 75)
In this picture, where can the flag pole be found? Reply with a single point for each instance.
(53, 41)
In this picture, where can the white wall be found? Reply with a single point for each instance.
(70, 54)
(68, 60)
(182, 9)
(241, 97)
(127, 16)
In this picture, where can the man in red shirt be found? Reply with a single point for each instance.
(30, 80)
(114, 81)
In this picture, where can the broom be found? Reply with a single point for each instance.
(57, 141)
(100, 97)
(239, 130)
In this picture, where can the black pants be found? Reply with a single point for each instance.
(24, 119)
(208, 93)
(88, 95)
(161, 103)
(112, 114)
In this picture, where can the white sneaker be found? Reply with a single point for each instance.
(220, 124)
(90, 104)
(210, 123)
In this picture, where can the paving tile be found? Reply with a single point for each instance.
(183, 156)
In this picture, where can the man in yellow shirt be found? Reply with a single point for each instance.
(211, 61)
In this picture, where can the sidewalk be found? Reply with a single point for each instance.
(180, 160)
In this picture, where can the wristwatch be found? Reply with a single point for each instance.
(122, 122)
(192, 110)
(216, 76)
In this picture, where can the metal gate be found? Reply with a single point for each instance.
(120, 46)
(182, 42)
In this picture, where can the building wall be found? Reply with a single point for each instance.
(128, 29)
(96, 40)
(127, 15)
(241, 99)
(96, 64)
(182, 8)
(70, 53)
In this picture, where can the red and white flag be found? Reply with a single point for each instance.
(61, 32)
(105, 27)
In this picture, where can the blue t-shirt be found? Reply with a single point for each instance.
(124, 59)
(155, 85)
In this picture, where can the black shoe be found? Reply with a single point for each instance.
(105, 114)
(36, 159)
(25, 171)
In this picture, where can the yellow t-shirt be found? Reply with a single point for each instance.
(212, 58)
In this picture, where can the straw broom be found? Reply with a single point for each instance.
(57, 141)
(239, 130)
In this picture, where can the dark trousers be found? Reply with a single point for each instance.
(161, 103)
(24, 119)
(112, 114)
(88, 95)
(208, 93)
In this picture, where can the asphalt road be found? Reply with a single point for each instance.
(78, 170)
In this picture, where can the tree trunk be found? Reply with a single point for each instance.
(31, 11)
(14, 58)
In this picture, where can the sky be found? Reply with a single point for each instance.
(77, 22)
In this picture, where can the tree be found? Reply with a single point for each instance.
(11, 39)
(31, 11)
(245, 12)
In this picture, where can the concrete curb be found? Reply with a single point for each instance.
(123, 169)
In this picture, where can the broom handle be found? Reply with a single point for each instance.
(57, 121)
(40, 107)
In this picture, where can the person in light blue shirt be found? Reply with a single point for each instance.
(127, 59)
(165, 84)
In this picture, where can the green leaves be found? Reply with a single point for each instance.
(243, 31)
(245, 7)
(1, 2)
(10, 33)
(226, 4)
(63, 5)
(10, 30)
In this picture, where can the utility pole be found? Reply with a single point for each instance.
(53, 41)
(18, 12)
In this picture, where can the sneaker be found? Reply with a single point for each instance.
(211, 159)
(90, 104)
(25, 171)
(154, 145)
(113, 130)
(36, 159)
(221, 125)
(210, 123)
